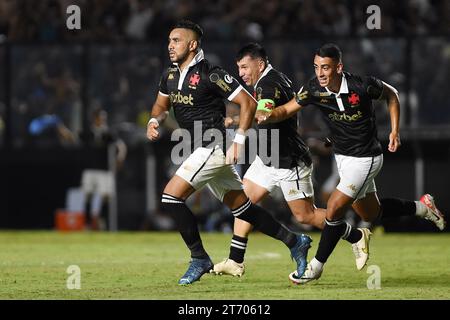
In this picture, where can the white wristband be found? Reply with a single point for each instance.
(239, 138)
(153, 120)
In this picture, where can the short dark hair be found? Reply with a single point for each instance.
(188, 24)
(330, 50)
(254, 50)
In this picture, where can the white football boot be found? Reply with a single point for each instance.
(229, 267)
(309, 275)
(433, 214)
(361, 248)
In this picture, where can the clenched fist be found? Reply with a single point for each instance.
(152, 130)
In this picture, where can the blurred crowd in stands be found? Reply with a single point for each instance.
(123, 80)
(44, 20)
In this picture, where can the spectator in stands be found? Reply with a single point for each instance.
(99, 184)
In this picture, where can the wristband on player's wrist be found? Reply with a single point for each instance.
(153, 120)
(239, 138)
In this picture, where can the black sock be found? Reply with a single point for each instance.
(331, 233)
(237, 248)
(264, 222)
(351, 234)
(186, 224)
(394, 208)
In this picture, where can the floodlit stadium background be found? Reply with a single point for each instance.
(114, 62)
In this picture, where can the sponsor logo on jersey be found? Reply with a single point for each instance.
(170, 76)
(352, 187)
(293, 192)
(345, 117)
(179, 98)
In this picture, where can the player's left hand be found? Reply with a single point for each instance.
(233, 153)
(394, 141)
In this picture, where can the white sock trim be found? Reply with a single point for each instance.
(238, 246)
(348, 228)
(236, 212)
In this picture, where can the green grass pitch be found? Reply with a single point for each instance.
(147, 265)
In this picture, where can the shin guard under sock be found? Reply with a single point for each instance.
(186, 224)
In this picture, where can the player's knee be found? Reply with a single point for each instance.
(303, 216)
(235, 199)
(253, 197)
(300, 218)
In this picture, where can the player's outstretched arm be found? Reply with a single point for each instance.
(390, 94)
(160, 110)
(279, 113)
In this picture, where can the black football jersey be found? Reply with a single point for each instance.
(350, 113)
(274, 89)
(196, 96)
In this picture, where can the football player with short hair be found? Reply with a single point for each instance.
(345, 99)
